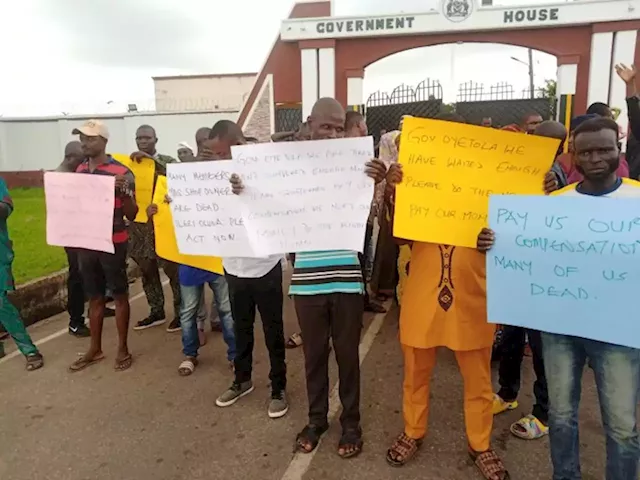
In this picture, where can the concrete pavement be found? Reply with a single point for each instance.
(150, 423)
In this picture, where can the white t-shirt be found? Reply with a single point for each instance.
(624, 188)
(245, 267)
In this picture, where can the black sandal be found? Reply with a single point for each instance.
(351, 443)
(310, 435)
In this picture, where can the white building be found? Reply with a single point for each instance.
(202, 92)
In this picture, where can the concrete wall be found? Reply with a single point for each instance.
(202, 92)
(33, 144)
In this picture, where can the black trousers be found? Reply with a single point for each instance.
(265, 293)
(363, 257)
(513, 344)
(75, 290)
(339, 316)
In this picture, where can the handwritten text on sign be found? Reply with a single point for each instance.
(567, 265)
(305, 196)
(450, 169)
(80, 210)
(166, 245)
(206, 213)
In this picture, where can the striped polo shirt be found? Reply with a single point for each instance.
(113, 168)
(332, 271)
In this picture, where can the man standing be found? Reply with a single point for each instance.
(616, 367)
(73, 157)
(103, 271)
(514, 339)
(528, 123)
(328, 290)
(142, 246)
(9, 315)
(253, 283)
(356, 126)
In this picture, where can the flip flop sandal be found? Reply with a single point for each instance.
(188, 366)
(500, 405)
(529, 428)
(34, 362)
(490, 465)
(123, 364)
(403, 450)
(350, 443)
(309, 435)
(294, 341)
(82, 363)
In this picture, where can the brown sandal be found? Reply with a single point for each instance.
(403, 450)
(490, 465)
(34, 362)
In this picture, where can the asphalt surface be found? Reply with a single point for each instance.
(150, 423)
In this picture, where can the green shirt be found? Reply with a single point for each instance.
(6, 246)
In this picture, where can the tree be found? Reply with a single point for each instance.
(549, 90)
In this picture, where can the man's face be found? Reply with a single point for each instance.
(596, 154)
(218, 149)
(531, 123)
(185, 155)
(146, 140)
(92, 146)
(201, 137)
(327, 125)
(74, 156)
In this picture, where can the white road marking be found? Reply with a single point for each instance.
(301, 462)
(64, 330)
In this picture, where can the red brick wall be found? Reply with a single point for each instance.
(32, 178)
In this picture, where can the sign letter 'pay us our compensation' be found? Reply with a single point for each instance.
(566, 265)
(451, 169)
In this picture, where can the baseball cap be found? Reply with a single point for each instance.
(92, 128)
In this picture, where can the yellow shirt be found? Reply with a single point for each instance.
(444, 303)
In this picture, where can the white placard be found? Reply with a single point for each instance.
(80, 210)
(206, 213)
(305, 196)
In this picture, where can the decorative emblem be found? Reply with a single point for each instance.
(457, 10)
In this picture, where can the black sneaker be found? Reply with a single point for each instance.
(81, 331)
(149, 322)
(174, 326)
(109, 312)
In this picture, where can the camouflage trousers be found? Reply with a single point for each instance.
(142, 251)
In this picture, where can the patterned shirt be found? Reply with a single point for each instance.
(332, 271)
(6, 246)
(113, 168)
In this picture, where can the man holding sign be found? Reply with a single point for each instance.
(142, 242)
(444, 301)
(102, 271)
(616, 367)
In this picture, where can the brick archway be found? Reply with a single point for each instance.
(306, 62)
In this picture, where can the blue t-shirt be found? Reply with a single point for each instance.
(193, 277)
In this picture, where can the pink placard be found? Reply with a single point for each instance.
(80, 210)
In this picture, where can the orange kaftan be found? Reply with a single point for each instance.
(444, 302)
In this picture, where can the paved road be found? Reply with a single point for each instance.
(149, 423)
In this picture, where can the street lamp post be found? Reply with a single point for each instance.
(530, 67)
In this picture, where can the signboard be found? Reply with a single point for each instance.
(305, 196)
(80, 210)
(459, 16)
(451, 169)
(566, 265)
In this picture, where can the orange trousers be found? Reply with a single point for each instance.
(475, 367)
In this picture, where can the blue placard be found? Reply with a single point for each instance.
(568, 265)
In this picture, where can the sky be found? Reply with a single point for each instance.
(97, 56)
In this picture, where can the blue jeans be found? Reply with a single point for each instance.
(617, 374)
(191, 297)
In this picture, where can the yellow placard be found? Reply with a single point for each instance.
(450, 169)
(166, 244)
(144, 173)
